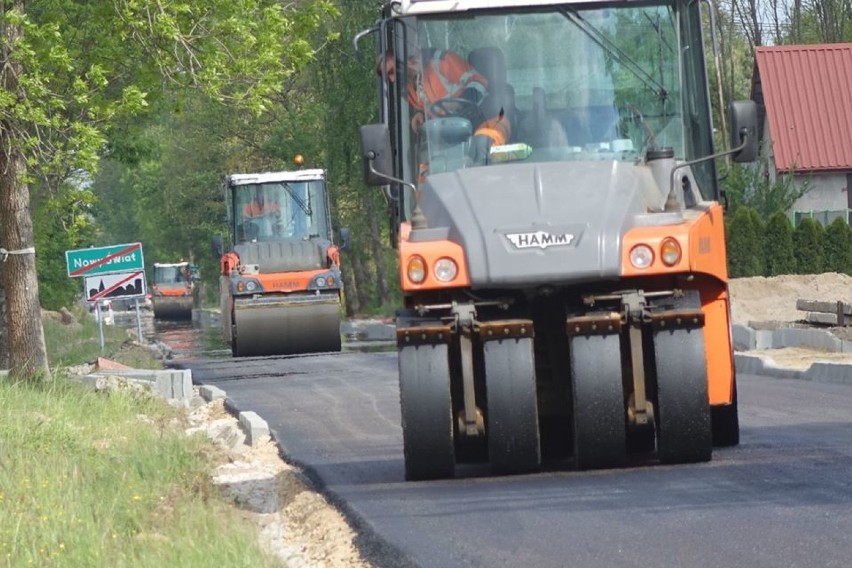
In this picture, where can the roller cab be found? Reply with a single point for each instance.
(565, 293)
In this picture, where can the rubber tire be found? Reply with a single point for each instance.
(684, 431)
(599, 413)
(426, 407)
(512, 417)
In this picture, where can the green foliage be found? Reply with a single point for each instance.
(62, 222)
(746, 185)
(758, 231)
(778, 246)
(78, 91)
(744, 238)
(808, 239)
(838, 247)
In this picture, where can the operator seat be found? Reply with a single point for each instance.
(490, 62)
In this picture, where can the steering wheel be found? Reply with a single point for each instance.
(452, 106)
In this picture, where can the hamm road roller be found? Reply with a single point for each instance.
(280, 287)
(565, 283)
(172, 294)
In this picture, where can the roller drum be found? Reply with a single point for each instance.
(172, 307)
(285, 326)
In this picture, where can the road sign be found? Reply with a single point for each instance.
(104, 260)
(115, 286)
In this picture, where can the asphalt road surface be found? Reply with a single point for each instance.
(783, 498)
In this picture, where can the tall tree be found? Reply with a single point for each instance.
(72, 70)
(808, 241)
(346, 85)
(837, 255)
(778, 246)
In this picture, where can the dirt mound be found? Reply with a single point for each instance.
(760, 299)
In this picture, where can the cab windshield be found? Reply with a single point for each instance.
(172, 274)
(573, 84)
(291, 210)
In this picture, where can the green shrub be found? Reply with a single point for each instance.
(744, 238)
(778, 246)
(759, 232)
(808, 241)
(838, 247)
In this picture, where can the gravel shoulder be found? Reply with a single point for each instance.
(296, 524)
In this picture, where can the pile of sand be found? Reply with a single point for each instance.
(762, 299)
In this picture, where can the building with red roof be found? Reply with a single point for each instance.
(804, 98)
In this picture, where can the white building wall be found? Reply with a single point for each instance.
(826, 192)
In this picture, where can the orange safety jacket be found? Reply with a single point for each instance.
(447, 74)
(254, 209)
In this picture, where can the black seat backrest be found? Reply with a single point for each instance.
(590, 125)
(490, 62)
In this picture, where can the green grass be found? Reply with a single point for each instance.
(109, 480)
(79, 343)
(95, 480)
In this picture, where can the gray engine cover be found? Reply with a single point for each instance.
(541, 223)
(284, 256)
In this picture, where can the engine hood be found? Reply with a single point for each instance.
(284, 255)
(539, 223)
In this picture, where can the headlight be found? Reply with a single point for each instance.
(670, 251)
(251, 286)
(641, 256)
(320, 281)
(416, 269)
(446, 270)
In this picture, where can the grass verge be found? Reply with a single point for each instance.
(79, 342)
(110, 480)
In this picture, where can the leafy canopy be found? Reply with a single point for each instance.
(89, 65)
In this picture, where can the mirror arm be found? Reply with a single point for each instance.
(359, 36)
(743, 137)
(372, 156)
(418, 220)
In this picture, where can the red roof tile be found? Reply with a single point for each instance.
(807, 90)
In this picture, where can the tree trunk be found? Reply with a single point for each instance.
(350, 290)
(27, 351)
(4, 329)
(378, 253)
(361, 279)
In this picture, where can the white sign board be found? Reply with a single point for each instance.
(115, 286)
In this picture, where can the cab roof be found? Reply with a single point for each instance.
(272, 177)
(412, 7)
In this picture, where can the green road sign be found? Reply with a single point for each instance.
(104, 260)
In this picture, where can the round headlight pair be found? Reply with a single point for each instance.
(323, 281)
(642, 256)
(246, 286)
(444, 269)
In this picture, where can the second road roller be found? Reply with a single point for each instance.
(280, 286)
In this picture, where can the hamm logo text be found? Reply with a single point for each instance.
(540, 239)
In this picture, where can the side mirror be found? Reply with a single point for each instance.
(216, 247)
(376, 153)
(744, 130)
(344, 238)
